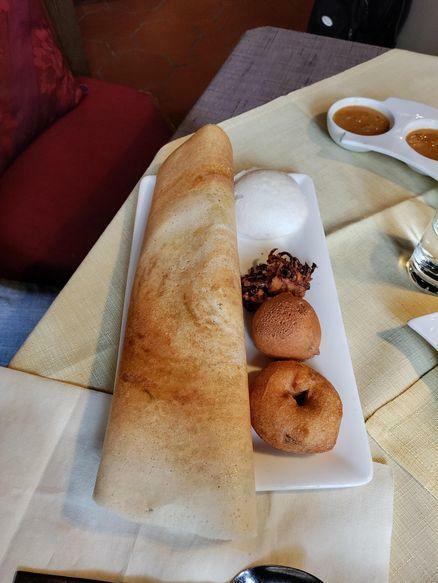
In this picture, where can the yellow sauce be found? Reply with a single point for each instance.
(362, 120)
(425, 142)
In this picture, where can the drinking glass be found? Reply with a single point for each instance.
(423, 264)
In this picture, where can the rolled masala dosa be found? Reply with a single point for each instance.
(178, 450)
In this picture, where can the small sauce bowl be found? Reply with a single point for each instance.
(337, 133)
(420, 124)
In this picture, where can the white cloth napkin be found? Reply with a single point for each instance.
(50, 440)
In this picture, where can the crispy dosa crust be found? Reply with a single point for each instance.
(178, 449)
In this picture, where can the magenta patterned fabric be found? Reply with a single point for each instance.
(36, 86)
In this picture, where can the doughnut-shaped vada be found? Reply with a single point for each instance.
(294, 408)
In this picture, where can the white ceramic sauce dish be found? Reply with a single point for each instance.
(404, 117)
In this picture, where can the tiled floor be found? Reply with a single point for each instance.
(173, 48)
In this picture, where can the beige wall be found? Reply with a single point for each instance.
(420, 32)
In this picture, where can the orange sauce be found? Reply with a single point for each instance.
(362, 120)
(425, 142)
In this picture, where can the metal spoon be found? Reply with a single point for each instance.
(274, 574)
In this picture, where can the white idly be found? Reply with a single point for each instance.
(269, 204)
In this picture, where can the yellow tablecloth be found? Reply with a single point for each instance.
(50, 443)
(373, 214)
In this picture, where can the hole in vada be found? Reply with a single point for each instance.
(301, 398)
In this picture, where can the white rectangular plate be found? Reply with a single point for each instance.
(349, 463)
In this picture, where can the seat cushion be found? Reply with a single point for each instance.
(59, 195)
(36, 85)
(22, 305)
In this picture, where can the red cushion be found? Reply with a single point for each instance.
(36, 86)
(62, 191)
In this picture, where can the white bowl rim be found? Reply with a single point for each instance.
(366, 102)
(423, 123)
